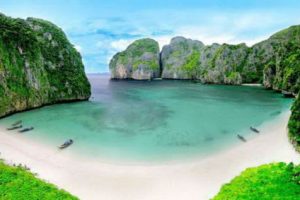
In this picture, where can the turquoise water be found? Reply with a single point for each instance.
(153, 120)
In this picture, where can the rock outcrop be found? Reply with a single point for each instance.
(180, 57)
(140, 61)
(274, 62)
(38, 66)
(279, 58)
(222, 63)
(190, 59)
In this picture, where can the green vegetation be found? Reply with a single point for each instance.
(38, 66)
(135, 50)
(63, 59)
(143, 53)
(150, 64)
(139, 47)
(191, 65)
(294, 124)
(176, 54)
(271, 181)
(230, 60)
(18, 183)
(251, 77)
(217, 54)
(233, 77)
(284, 68)
(291, 72)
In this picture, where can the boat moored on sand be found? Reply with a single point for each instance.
(241, 138)
(26, 129)
(66, 144)
(254, 129)
(14, 127)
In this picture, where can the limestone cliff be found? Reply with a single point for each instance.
(274, 62)
(190, 59)
(179, 58)
(222, 63)
(139, 61)
(38, 66)
(279, 58)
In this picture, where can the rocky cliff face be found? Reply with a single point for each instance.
(179, 58)
(279, 57)
(190, 59)
(139, 61)
(223, 63)
(38, 66)
(274, 62)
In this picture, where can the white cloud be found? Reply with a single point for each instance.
(120, 45)
(102, 44)
(233, 28)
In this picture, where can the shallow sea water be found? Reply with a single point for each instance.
(158, 120)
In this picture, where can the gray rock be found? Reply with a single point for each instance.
(222, 63)
(140, 61)
(190, 59)
(177, 57)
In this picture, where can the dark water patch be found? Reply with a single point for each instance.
(208, 139)
(224, 132)
(275, 113)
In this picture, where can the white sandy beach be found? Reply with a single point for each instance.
(191, 180)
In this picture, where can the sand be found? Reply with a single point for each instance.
(252, 84)
(196, 179)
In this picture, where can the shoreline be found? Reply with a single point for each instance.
(252, 84)
(198, 178)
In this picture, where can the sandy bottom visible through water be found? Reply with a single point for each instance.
(194, 179)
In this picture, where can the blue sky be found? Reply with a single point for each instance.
(99, 29)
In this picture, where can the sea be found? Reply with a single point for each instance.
(159, 120)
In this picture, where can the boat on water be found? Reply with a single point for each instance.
(17, 123)
(66, 144)
(26, 130)
(254, 129)
(14, 127)
(241, 138)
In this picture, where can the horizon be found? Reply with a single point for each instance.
(98, 30)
